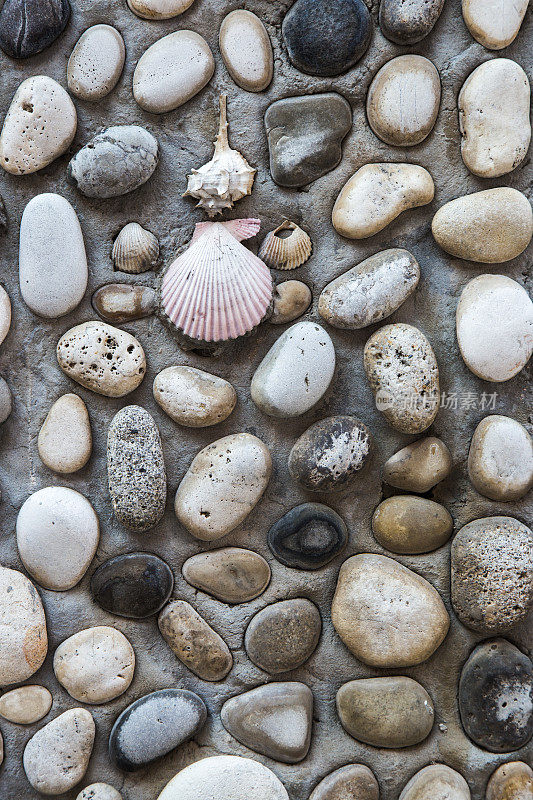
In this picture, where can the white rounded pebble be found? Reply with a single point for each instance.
(494, 23)
(23, 638)
(25, 705)
(159, 9)
(96, 63)
(246, 50)
(99, 791)
(192, 397)
(6, 401)
(500, 460)
(65, 439)
(5, 314)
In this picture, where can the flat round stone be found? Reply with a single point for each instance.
(65, 439)
(409, 524)
(122, 302)
(246, 50)
(159, 9)
(282, 636)
(23, 637)
(419, 466)
(408, 22)
(308, 536)
(494, 24)
(291, 300)
(231, 574)
(495, 691)
(134, 585)
(28, 27)
(25, 705)
(436, 782)
(511, 781)
(96, 63)
(194, 398)
(500, 459)
(352, 782)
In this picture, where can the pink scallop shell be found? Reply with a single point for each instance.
(240, 228)
(216, 290)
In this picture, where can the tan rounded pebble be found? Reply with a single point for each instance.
(96, 63)
(419, 466)
(511, 781)
(231, 574)
(494, 323)
(494, 23)
(194, 642)
(291, 300)
(159, 9)
(352, 782)
(246, 50)
(23, 637)
(122, 302)
(95, 665)
(403, 100)
(377, 194)
(5, 314)
(494, 118)
(106, 360)
(500, 460)
(194, 398)
(56, 758)
(387, 615)
(171, 71)
(25, 705)
(99, 791)
(409, 524)
(39, 126)
(65, 439)
(436, 782)
(489, 227)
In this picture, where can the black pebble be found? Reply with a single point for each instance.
(29, 26)
(134, 585)
(308, 536)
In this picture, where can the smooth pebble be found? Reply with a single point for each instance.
(494, 23)
(436, 782)
(291, 300)
(284, 635)
(246, 50)
(308, 536)
(25, 705)
(23, 637)
(6, 401)
(352, 782)
(500, 459)
(511, 781)
(194, 398)
(419, 466)
(133, 585)
(96, 63)
(65, 439)
(409, 524)
(408, 22)
(159, 9)
(99, 791)
(122, 302)
(28, 27)
(231, 574)
(5, 314)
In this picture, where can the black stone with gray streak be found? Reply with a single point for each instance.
(308, 536)
(29, 26)
(134, 585)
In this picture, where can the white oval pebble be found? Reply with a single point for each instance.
(246, 50)
(23, 638)
(65, 439)
(57, 536)
(296, 371)
(172, 71)
(25, 705)
(495, 327)
(194, 398)
(5, 314)
(99, 791)
(494, 23)
(52, 260)
(96, 63)
(500, 459)
(39, 126)
(159, 9)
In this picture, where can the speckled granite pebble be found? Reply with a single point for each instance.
(134, 585)
(122, 302)
(23, 637)
(231, 574)
(419, 466)
(408, 21)
(409, 524)
(96, 63)
(500, 459)
(352, 782)
(511, 781)
(308, 536)
(25, 705)
(282, 636)
(224, 778)
(28, 27)
(65, 439)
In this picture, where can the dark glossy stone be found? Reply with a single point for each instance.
(496, 697)
(134, 585)
(408, 21)
(305, 136)
(29, 26)
(153, 726)
(308, 536)
(325, 38)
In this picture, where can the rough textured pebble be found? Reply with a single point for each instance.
(500, 459)
(65, 439)
(23, 638)
(194, 398)
(436, 782)
(419, 466)
(28, 27)
(96, 63)
(159, 9)
(231, 574)
(134, 585)
(511, 781)
(246, 50)
(494, 23)
(122, 302)
(291, 300)
(408, 22)
(308, 536)
(25, 705)
(99, 791)
(409, 524)
(352, 782)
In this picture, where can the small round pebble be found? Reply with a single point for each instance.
(246, 50)
(25, 705)
(436, 782)
(23, 637)
(282, 636)
(6, 401)
(419, 466)
(231, 574)
(352, 782)
(122, 302)
(134, 585)
(159, 9)
(408, 22)
(511, 781)
(409, 525)
(28, 27)
(194, 398)
(308, 536)
(99, 791)
(5, 314)
(500, 459)
(65, 439)
(96, 63)
(291, 300)
(494, 24)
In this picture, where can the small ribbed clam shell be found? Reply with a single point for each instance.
(240, 228)
(135, 249)
(217, 290)
(286, 252)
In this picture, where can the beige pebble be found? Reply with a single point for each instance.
(25, 705)
(99, 791)
(351, 782)
(23, 637)
(436, 782)
(159, 9)
(192, 397)
(96, 63)
(494, 23)
(419, 466)
(409, 524)
(500, 460)
(65, 439)
(376, 194)
(291, 300)
(5, 314)
(246, 50)
(122, 302)
(511, 781)
(231, 574)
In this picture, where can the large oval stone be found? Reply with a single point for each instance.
(370, 291)
(352, 782)
(136, 469)
(23, 638)
(408, 22)
(122, 302)
(224, 483)
(325, 39)
(496, 697)
(387, 615)
(231, 574)
(494, 323)
(96, 63)
(409, 524)
(492, 574)
(436, 782)
(512, 781)
(494, 24)
(153, 726)
(304, 352)
(192, 397)
(28, 27)
(419, 466)
(386, 712)
(500, 459)
(52, 260)
(25, 705)
(134, 585)
(65, 440)
(282, 636)
(246, 50)
(494, 118)
(308, 536)
(402, 371)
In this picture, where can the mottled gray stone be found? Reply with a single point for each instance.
(352, 782)
(29, 26)
(282, 636)
(408, 21)
(6, 400)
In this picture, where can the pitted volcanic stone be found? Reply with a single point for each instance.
(28, 27)
(231, 574)
(352, 782)
(308, 536)
(134, 585)
(408, 21)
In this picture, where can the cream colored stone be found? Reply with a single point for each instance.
(171, 71)
(419, 466)
(96, 63)
(495, 327)
(246, 50)
(511, 781)
(159, 9)
(5, 314)
(489, 227)
(376, 194)
(194, 398)
(494, 118)
(23, 638)
(500, 460)
(65, 439)
(39, 126)
(436, 782)
(403, 100)
(25, 705)
(291, 300)
(99, 791)
(494, 23)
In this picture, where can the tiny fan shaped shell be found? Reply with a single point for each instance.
(135, 249)
(217, 290)
(286, 252)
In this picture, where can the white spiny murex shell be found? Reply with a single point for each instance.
(135, 249)
(224, 179)
(216, 290)
(286, 252)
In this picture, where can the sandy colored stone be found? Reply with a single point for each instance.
(291, 300)
(500, 459)
(23, 638)
(159, 9)
(192, 397)
(494, 23)
(25, 705)
(194, 642)
(5, 314)
(494, 105)
(376, 194)
(494, 323)
(352, 782)
(231, 574)
(224, 483)
(99, 791)
(96, 63)
(246, 50)
(57, 756)
(489, 227)
(419, 466)
(409, 524)
(95, 665)
(403, 100)
(511, 781)
(436, 782)
(122, 302)
(386, 614)
(39, 126)
(65, 439)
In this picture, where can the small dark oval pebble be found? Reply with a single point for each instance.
(325, 38)
(123, 302)
(496, 697)
(408, 21)
(28, 27)
(134, 585)
(282, 636)
(308, 536)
